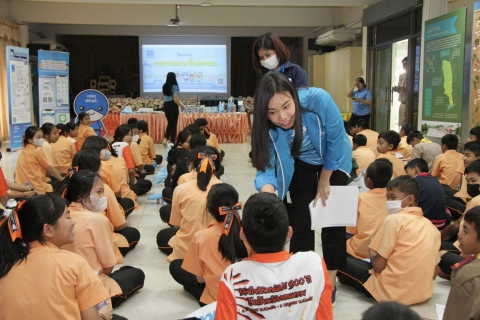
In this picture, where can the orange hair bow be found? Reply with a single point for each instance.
(14, 224)
(206, 129)
(232, 213)
(204, 163)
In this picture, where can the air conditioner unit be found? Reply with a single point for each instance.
(336, 36)
(54, 46)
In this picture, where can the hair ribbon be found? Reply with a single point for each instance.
(206, 129)
(71, 172)
(232, 213)
(14, 224)
(206, 159)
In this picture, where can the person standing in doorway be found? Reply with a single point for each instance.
(401, 89)
(171, 102)
(362, 100)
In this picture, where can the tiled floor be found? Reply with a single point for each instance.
(163, 298)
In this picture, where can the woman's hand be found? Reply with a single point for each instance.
(323, 187)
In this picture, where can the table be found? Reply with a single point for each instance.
(228, 127)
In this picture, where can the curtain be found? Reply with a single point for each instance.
(9, 36)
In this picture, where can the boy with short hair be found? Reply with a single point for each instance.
(372, 136)
(403, 147)
(464, 298)
(474, 134)
(363, 155)
(372, 209)
(273, 284)
(403, 253)
(387, 143)
(423, 148)
(446, 164)
(431, 201)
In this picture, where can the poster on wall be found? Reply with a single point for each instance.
(95, 104)
(474, 115)
(53, 87)
(443, 73)
(18, 87)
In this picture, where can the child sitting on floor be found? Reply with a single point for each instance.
(213, 249)
(423, 148)
(464, 298)
(387, 143)
(363, 155)
(403, 253)
(446, 164)
(273, 284)
(372, 209)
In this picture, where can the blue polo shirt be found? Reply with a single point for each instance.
(360, 109)
(174, 90)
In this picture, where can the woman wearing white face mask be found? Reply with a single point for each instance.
(32, 165)
(271, 55)
(94, 239)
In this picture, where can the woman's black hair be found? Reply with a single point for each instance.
(121, 132)
(62, 128)
(203, 178)
(271, 84)
(29, 134)
(98, 144)
(230, 246)
(182, 167)
(197, 140)
(80, 185)
(170, 81)
(71, 126)
(47, 128)
(32, 216)
(81, 116)
(361, 80)
(181, 138)
(269, 41)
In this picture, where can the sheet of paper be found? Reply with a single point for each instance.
(440, 310)
(340, 209)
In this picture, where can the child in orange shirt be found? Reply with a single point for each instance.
(147, 148)
(403, 253)
(363, 155)
(446, 164)
(84, 129)
(213, 249)
(50, 135)
(387, 143)
(403, 147)
(72, 132)
(372, 209)
(212, 140)
(63, 150)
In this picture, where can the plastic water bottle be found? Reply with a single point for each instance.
(27, 184)
(154, 164)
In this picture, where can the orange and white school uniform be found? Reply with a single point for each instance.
(121, 172)
(109, 177)
(188, 213)
(410, 243)
(397, 163)
(94, 241)
(63, 151)
(147, 148)
(32, 166)
(203, 259)
(75, 143)
(84, 132)
(50, 284)
(276, 286)
(405, 149)
(136, 154)
(364, 157)
(212, 141)
(187, 177)
(48, 150)
(445, 168)
(123, 150)
(372, 138)
(115, 214)
(372, 210)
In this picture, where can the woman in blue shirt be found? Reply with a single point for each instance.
(362, 101)
(300, 146)
(171, 101)
(269, 54)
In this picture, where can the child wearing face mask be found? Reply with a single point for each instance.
(402, 253)
(32, 164)
(94, 238)
(84, 129)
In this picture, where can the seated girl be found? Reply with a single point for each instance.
(72, 132)
(213, 249)
(32, 165)
(50, 135)
(94, 236)
(84, 129)
(179, 151)
(147, 148)
(39, 279)
(63, 150)
(188, 206)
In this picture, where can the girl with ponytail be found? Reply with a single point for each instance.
(213, 249)
(188, 205)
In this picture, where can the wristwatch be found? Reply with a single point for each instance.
(32, 189)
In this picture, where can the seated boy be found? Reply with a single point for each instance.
(431, 198)
(474, 134)
(403, 147)
(464, 298)
(372, 136)
(372, 209)
(387, 143)
(423, 148)
(147, 148)
(403, 253)
(446, 164)
(273, 284)
(363, 155)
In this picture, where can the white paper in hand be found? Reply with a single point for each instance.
(340, 209)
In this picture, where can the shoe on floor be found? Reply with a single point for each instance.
(165, 142)
(334, 296)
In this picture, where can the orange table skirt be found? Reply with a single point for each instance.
(228, 127)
